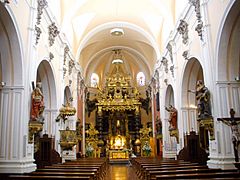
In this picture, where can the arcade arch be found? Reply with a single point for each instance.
(13, 121)
(46, 77)
(193, 72)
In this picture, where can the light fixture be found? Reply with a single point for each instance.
(116, 32)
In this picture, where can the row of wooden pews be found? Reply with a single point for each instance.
(83, 169)
(154, 169)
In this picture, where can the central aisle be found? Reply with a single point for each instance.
(121, 172)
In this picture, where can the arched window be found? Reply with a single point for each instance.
(140, 79)
(94, 80)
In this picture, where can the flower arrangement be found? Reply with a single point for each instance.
(89, 150)
(147, 148)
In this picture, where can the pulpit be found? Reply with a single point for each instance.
(46, 155)
(192, 151)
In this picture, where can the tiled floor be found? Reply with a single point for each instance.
(121, 172)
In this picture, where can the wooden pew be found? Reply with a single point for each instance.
(143, 167)
(141, 163)
(153, 174)
(90, 172)
(157, 169)
(24, 177)
(83, 169)
(66, 173)
(233, 174)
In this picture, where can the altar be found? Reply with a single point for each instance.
(118, 154)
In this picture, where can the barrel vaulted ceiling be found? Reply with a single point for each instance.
(87, 24)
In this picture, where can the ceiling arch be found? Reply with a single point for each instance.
(146, 24)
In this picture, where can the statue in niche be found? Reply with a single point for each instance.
(37, 105)
(172, 117)
(203, 100)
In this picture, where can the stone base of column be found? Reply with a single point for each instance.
(17, 166)
(221, 162)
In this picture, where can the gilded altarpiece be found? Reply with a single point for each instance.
(118, 115)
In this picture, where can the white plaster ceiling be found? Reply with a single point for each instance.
(87, 24)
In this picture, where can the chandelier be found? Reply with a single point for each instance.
(66, 110)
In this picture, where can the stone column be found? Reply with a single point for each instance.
(16, 155)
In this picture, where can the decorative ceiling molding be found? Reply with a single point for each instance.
(71, 64)
(185, 54)
(172, 70)
(38, 33)
(66, 50)
(169, 48)
(199, 27)
(183, 30)
(51, 56)
(52, 32)
(165, 64)
(41, 5)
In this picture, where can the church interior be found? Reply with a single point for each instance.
(119, 89)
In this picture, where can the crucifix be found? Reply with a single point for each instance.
(233, 123)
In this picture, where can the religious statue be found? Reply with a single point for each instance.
(146, 102)
(37, 105)
(172, 117)
(233, 123)
(203, 100)
(90, 104)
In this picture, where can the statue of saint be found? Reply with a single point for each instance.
(172, 117)
(203, 100)
(37, 105)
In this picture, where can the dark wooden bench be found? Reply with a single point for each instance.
(233, 174)
(90, 171)
(142, 170)
(20, 177)
(102, 163)
(84, 174)
(157, 169)
(152, 174)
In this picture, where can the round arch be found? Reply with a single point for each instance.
(10, 50)
(193, 71)
(46, 77)
(114, 24)
(130, 51)
(169, 98)
(13, 118)
(67, 94)
(228, 46)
